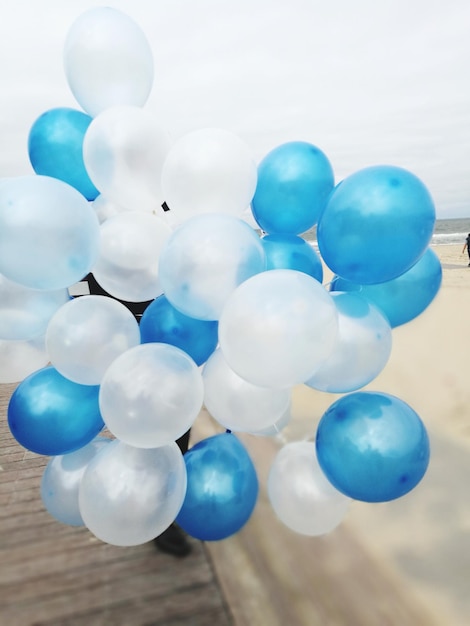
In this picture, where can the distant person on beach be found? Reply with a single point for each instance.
(466, 247)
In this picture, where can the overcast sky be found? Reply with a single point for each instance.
(369, 82)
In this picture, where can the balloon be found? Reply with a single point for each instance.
(25, 312)
(129, 496)
(403, 298)
(222, 488)
(20, 358)
(205, 259)
(277, 328)
(292, 253)
(208, 171)
(372, 446)
(294, 181)
(124, 150)
(237, 404)
(376, 225)
(86, 335)
(127, 266)
(104, 208)
(362, 349)
(55, 148)
(49, 235)
(49, 414)
(151, 395)
(108, 60)
(161, 322)
(301, 496)
(276, 428)
(61, 481)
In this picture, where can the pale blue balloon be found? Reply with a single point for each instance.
(294, 181)
(49, 233)
(292, 253)
(405, 297)
(376, 225)
(372, 446)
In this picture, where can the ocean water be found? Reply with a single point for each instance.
(446, 232)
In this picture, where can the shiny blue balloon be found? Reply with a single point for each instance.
(404, 298)
(372, 446)
(294, 181)
(222, 488)
(49, 414)
(55, 148)
(376, 225)
(292, 253)
(161, 322)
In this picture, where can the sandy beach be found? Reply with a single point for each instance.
(422, 541)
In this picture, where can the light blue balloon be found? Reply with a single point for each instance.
(372, 446)
(294, 182)
(49, 414)
(376, 225)
(292, 253)
(55, 144)
(405, 297)
(222, 488)
(49, 233)
(161, 322)
(61, 481)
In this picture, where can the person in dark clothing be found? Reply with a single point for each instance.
(173, 540)
(467, 247)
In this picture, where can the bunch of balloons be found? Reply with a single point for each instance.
(238, 314)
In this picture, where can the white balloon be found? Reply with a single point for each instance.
(105, 208)
(208, 171)
(277, 328)
(151, 395)
(124, 150)
(300, 494)
(87, 334)
(205, 259)
(128, 262)
(128, 496)
(237, 404)
(19, 359)
(108, 60)
(61, 481)
(362, 349)
(25, 312)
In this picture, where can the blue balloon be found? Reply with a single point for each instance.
(161, 322)
(49, 414)
(294, 181)
(376, 225)
(372, 446)
(55, 148)
(222, 488)
(404, 298)
(292, 253)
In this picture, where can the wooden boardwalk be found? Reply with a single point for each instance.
(52, 574)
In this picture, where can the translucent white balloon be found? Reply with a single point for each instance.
(129, 496)
(86, 335)
(105, 208)
(124, 150)
(25, 312)
(130, 245)
(108, 60)
(208, 171)
(19, 359)
(151, 395)
(205, 259)
(237, 404)
(362, 349)
(61, 481)
(277, 328)
(300, 494)
(49, 234)
(277, 427)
